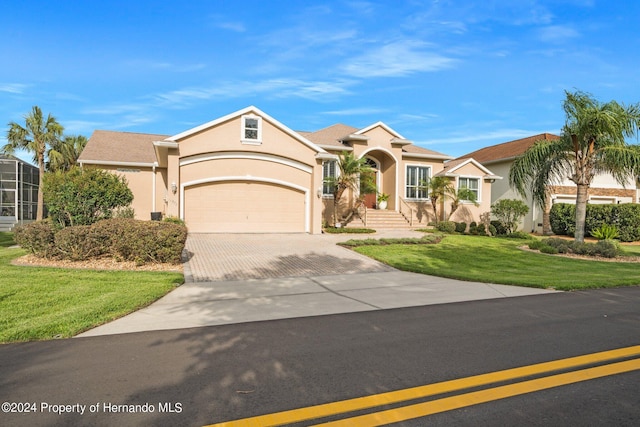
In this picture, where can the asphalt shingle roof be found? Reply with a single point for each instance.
(127, 147)
(508, 150)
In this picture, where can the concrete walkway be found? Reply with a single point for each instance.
(246, 278)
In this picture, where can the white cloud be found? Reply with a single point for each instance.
(557, 33)
(363, 111)
(398, 59)
(15, 88)
(278, 88)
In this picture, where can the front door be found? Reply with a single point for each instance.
(368, 186)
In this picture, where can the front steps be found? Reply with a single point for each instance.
(378, 219)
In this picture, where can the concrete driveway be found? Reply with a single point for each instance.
(257, 277)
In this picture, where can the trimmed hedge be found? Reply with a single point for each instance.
(448, 227)
(603, 248)
(124, 239)
(625, 217)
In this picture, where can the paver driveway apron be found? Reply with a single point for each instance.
(233, 278)
(216, 257)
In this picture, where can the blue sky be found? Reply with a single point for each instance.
(452, 76)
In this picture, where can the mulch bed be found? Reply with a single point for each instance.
(97, 264)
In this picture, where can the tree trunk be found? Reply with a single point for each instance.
(546, 217)
(581, 211)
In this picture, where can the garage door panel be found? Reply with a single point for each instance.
(244, 207)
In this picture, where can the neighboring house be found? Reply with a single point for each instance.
(247, 172)
(18, 192)
(500, 157)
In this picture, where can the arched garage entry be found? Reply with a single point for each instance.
(245, 205)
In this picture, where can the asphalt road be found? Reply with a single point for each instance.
(208, 375)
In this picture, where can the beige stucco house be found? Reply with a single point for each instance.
(247, 172)
(500, 157)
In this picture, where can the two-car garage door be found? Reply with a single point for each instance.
(244, 207)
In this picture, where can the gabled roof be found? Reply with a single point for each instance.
(383, 126)
(120, 148)
(248, 110)
(330, 136)
(508, 150)
(452, 166)
(420, 152)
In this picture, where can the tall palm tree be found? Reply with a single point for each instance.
(37, 134)
(63, 154)
(351, 173)
(592, 142)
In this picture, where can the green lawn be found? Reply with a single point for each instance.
(43, 303)
(497, 260)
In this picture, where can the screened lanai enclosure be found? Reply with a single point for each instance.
(18, 192)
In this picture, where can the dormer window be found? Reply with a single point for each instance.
(251, 129)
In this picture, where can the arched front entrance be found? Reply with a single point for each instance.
(385, 165)
(370, 186)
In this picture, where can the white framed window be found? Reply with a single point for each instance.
(417, 176)
(251, 129)
(472, 184)
(329, 173)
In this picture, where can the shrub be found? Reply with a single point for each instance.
(607, 248)
(446, 227)
(536, 244)
(84, 196)
(481, 230)
(37, 237)
(605, 232)
(625, 217)
(546, 249)
(509, 212)
(473, 228)
(563, 219)
(81, 243)
(424, 240)
(560, 244)
(493, 230)
(500, 230)
(347, 230)
(174, 220)
(124, 212)
(461, 227)
(145, 241)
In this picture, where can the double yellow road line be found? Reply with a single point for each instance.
(458, 401)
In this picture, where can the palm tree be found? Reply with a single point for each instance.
(63, 154)
(437, 188)
(35, 137)
(592, 142)
(353, 174)
(461, 195)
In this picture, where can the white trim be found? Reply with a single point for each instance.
(165, 144)
(466, 162)
(404, 188)
(384, 150)
(307, 199)
(247, 110)
(383, 126)
(110, 163)
(480, 182)
(246, 155)
(243, 130)
(401, 141)
(335, 147)
(427, 156)
(153, 190)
